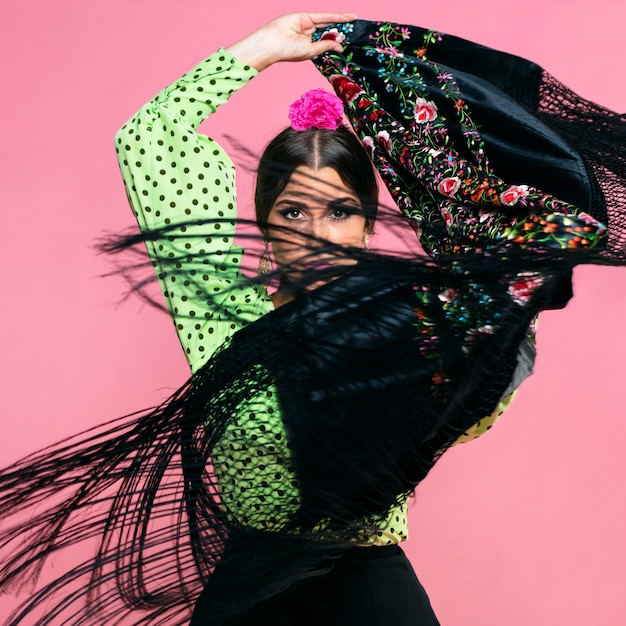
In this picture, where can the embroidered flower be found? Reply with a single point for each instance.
(316, 109)
(346, 89)
(384, 140)
(591, 225)
(513, 194)
(449, 186)
(447, 217)
(391, 51)
(474, 335)
(585, 216)
(368, 144)
(448, 295)
(333, 34)
(425, 111)
(486, 213)
(525, 284)
(439, 378)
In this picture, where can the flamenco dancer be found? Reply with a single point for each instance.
(272, 487)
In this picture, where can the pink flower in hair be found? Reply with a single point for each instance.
(316, 109)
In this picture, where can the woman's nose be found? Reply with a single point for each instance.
(318, 230)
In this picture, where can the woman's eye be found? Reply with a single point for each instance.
(291, 214)
(343, 213)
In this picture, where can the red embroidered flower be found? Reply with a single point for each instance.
(447, 217)
(425, 111)
(449, 186)
(316, 109)
(420, 52)
(439, 378)
(346, 89)
(513, 194)
(448, 295)
(333, 34)
(525, 284)
(384, 140)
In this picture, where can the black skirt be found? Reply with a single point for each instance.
(367, 586)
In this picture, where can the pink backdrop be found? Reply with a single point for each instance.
(524, 526)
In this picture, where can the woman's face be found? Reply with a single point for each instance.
(315, 209)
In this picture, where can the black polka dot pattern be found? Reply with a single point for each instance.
(252, 465)
(173, 175)
(485, 424)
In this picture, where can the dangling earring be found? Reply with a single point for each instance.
(265, 262)
(366, 241)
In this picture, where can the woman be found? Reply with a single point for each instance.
(311, 414)
(316, 197)
(315, 203)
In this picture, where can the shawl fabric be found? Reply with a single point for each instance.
(484, 144)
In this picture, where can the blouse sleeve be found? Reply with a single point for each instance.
(183, 181)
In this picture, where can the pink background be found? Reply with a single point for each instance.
(526, 525)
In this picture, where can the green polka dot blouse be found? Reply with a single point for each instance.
(173, 176)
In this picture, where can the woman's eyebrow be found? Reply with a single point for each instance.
(296, 199)
(345, 200)
(291, 202)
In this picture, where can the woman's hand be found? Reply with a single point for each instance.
(288, 38)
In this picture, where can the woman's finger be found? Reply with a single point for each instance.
(320, 20)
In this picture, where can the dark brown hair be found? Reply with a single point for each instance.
(315, 148)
